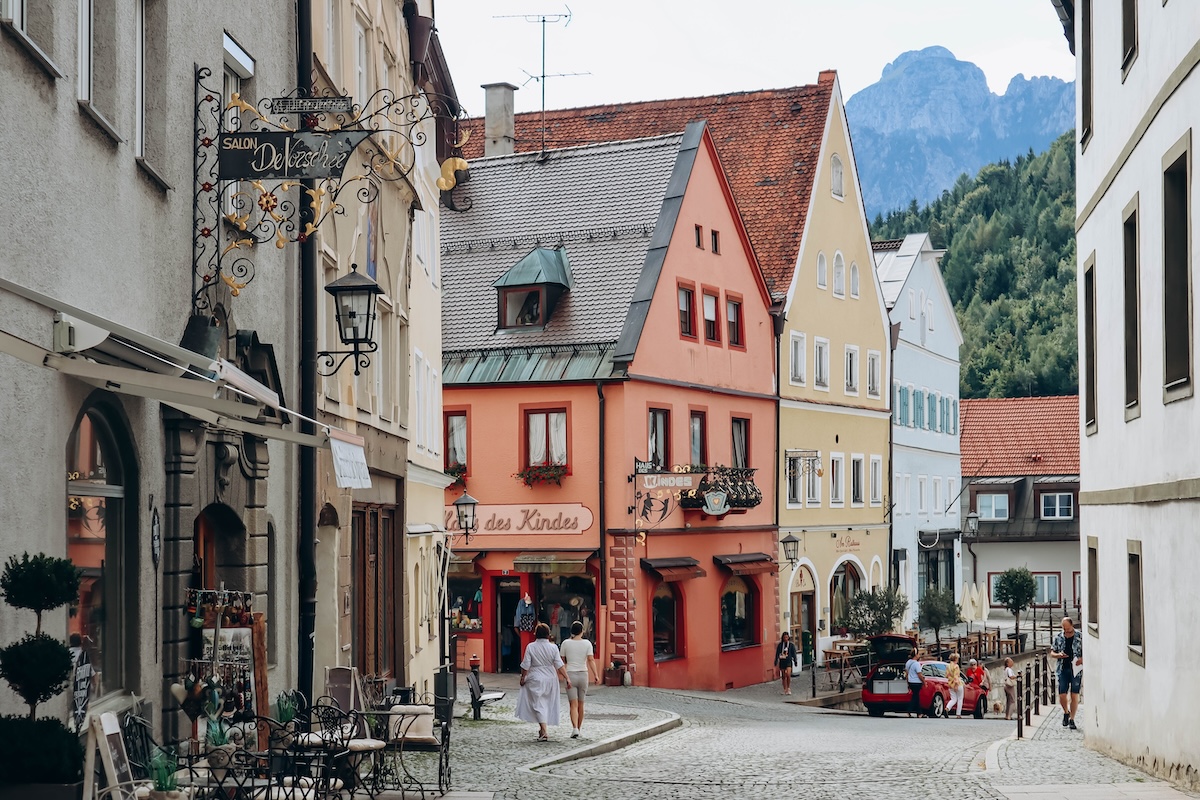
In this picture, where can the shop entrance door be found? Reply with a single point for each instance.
(508, 641)
(804, 623)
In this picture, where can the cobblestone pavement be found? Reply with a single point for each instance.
(748, 744)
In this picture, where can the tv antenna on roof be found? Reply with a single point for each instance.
(544, 19)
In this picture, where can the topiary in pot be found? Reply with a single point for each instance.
(38, 667)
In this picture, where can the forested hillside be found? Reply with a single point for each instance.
(1009, 235)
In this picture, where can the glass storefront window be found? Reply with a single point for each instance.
(666, 622)
(845, 584)
(565, 599)
(466, 604)
(737, 614)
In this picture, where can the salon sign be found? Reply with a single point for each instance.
(549, 518)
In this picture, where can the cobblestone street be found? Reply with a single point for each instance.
(747, 743)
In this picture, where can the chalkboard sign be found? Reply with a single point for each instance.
(104, 734)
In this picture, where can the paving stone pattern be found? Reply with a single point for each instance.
(747, 743)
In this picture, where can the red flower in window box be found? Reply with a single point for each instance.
(542, 473)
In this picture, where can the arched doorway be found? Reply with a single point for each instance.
(845, 583)
(220, 550)
(803, 612)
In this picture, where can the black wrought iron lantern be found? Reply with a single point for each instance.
(354, 308)
(464, 513)
(973, 523)
(791, 548)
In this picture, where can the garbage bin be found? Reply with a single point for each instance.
(1020, 639)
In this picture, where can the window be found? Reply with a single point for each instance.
(839, 275)
(822, 275)
(992, 507)
(929, 314)
(687, 312)
(1132, 331)
(740, 429)
(32, 25)
(738, 625)
(665, 610)
(931, 412)
(659, 447)
(99, 535)
(912, 304)
(1177, 284)
(700, 237)
(715, 241)
(1060, 505)
(547, 437)
(456, 440)
(150, 95)
(712, 325)
(837, 178)
(1137, 639)
(795, 479)
(1085, 69)
(1047, 588)
(836, 479)
(812, 480)
(373, 544)
(905, 416)
(733, 317)
(907, 494)
(851, 369)
(333, 37)
(699, 437)
(798, 354)
(951, 496)
(238, 70)
(96, 63)
(361, 62)
(876, 480)
(821, 363)
(921, 497)
(521, 308)
(1129, 38)
(1089, 344)
(874, 379)
(856, 480)
(854, 280)
(846, 583)
(1093, 584)
(937, 495)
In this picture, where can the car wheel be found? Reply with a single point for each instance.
(875, 711)
(938, 707)
(981, 707)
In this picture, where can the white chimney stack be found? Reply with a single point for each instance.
(499, 126)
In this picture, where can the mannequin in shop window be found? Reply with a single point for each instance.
(524, 618)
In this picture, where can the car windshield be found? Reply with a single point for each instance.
(933, 669)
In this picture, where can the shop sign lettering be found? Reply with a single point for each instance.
(667, 480)
(249, 155)
(525, 519)
(846, 543)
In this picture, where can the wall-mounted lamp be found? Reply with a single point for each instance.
(973, 523)
(791, 549)
(354, 307)
(464, 512)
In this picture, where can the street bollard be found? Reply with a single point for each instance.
(812, 671)
(1020, 708)
(1038, 679)
(1051, 684)
(1028, 687)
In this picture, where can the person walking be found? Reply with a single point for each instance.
(1010, 689)
(978, 675)
(912, 671)
(1068, 649)
(785, 659)
(954, 680)
(577, 654)
(540, 669)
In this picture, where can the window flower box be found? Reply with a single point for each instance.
(542, 473)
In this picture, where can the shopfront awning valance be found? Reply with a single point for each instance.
(747, 563)
(571, 562)
(111, 356)
(464, 562)
(674, 569)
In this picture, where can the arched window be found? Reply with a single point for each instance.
(837, 178)
(854, 280)
(738, 626)
(839, 276)
(822, 272)
(100, 474)
(846, 583)
(665, 610)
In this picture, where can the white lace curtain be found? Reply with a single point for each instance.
(456, 438)
(548, 438)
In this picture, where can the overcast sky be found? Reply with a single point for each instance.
(652, 49)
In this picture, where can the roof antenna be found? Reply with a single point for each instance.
(552, 19)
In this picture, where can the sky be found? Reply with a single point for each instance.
(656, 49)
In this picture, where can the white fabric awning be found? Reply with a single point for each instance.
(211, 390)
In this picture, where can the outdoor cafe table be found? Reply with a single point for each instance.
(392, 725)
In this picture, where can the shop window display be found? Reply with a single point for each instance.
(666, 623)
(737, 614)
(565, 599)
(466, 604)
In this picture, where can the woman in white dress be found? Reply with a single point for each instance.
(540, 669)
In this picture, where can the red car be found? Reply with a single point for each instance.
(885, 687)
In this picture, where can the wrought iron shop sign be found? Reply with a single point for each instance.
(312, 105)
(298, 155)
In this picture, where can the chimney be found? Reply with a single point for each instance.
(499, 127)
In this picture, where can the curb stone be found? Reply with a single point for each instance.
(992, 755)
(610, 744)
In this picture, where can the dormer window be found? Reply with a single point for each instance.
(531, 289)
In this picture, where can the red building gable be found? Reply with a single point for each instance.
(1020, 436)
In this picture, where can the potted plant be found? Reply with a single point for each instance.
(458, 472)
(163, 766)
(1016, 590)
(938, 610)
(282, 731)
(542, 473)
(40, 758)
(874, 612)
(220, 749)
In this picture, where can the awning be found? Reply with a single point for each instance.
(674, 569)
(112, 356)
(746, 563)
(997, 481)
(554, 562)
(463, 562)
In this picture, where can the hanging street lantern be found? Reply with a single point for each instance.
(464, 512)
(354, 308)
(791, 549)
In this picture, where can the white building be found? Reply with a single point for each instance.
(926, 550)
(1139, 106)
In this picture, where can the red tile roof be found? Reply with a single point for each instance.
(768, 142)
(1019, 436)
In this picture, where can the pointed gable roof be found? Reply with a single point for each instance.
(768, 141)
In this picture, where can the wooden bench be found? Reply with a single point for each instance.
(480, 698)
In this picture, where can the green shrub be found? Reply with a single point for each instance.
(938, 610)
(874, 612)
(1016, 589)
(39, 583)
(38, 751)
(38, 668)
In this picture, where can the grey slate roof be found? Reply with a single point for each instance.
(601, 202)
(894, 261)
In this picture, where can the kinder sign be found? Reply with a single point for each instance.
(546, 518)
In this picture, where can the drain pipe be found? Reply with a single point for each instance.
(601, 514)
